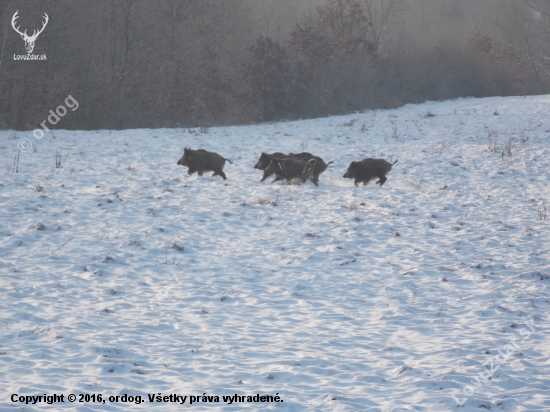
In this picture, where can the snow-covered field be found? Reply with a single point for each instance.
(121, 274)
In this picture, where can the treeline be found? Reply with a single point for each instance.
(190, 63)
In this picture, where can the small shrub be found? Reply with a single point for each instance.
(507, 149)
(441, 148)
(492, 141)
(265, 201)
(59, 160)
(542, 211)
(176, 246)
(15, 166)
(353, 205)
(394, 132)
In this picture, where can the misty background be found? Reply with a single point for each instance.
(201, 63)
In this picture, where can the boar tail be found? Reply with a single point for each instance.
(228, 160)
(330, 162)
(394, 162)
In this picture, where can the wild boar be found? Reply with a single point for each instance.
(320, 165)
(201, 161)
(289, 169)
(367, 169)
(264, 161)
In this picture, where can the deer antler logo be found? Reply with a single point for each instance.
(29, 40)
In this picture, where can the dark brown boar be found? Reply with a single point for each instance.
(264, 161)
(320, 165)
(367, 169)
(201, 161)
(289, 169)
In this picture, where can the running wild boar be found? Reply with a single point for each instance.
(201, 161)
(320, 165)
(289, 169)
(264, 161)
(368, 169)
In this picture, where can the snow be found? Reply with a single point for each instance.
(145, 280)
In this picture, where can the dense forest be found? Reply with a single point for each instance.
(200, 63)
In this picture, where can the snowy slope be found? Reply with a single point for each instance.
(146, 280)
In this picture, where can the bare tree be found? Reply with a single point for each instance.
(532, 21)
(379, 14)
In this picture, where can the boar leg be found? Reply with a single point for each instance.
(382, 180)
(220, 173)
(191, 171)
(312, 180)
(266, 175)
(277, 179)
